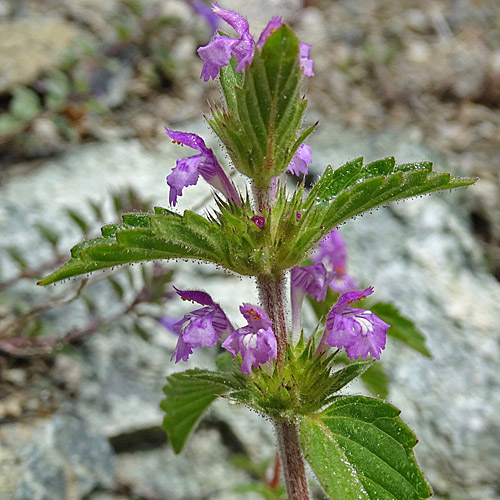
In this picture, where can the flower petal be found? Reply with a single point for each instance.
(199, 332)
(181, 351)
(235, 20)
(306, 63)
(216, 55)
(300, 160)
(358, 331)
(311, 280)
(274, 24)
(187, 139)
(350, 298)
(198, 296)
(255, 347)
(183, 175)
(205, 164)
(255, 316)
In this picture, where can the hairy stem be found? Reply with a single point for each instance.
(272, 296)
(264, 198)
(292, 461)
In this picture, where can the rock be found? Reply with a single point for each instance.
(59, 458)
(30, 45)
(201, 471)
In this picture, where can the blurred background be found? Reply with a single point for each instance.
(86, 87)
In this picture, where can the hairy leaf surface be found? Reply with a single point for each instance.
(359, 448)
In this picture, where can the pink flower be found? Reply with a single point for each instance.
(358, 331)
(187, 170)
(255, 342)
(219, 51)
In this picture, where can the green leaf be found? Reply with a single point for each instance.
(10, 125)
(58, 88)
(359, 448)
(263, 490)
(351, 190)
(143, 237)
(230, 79)
(188, 396)
(345, 375)
(401, 328)
(25, 104)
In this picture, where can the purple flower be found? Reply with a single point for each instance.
(300, 160)
(255, 342)
(311, 280)
(200, 328)
(332, 253)
(206, 12)
(259, 221)
(358, 331)
(306, 63)
(219, 51)
(216, 55)
(187, 170)
(274, 24)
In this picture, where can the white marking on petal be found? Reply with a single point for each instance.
(366, 326)
(250, 341)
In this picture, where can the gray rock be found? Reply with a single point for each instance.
(201, 471)
(59, 458)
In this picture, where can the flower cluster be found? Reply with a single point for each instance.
(220, 50)
(216, 55)
(358, 331)
(327, 271)
(204, 327)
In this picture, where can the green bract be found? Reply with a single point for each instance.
(304, 387)
(230, 238)
(260, 124)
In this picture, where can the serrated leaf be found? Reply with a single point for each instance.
(188, 396)
(360, 449)
(144, 237)
(401, 328)
(352, 190)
